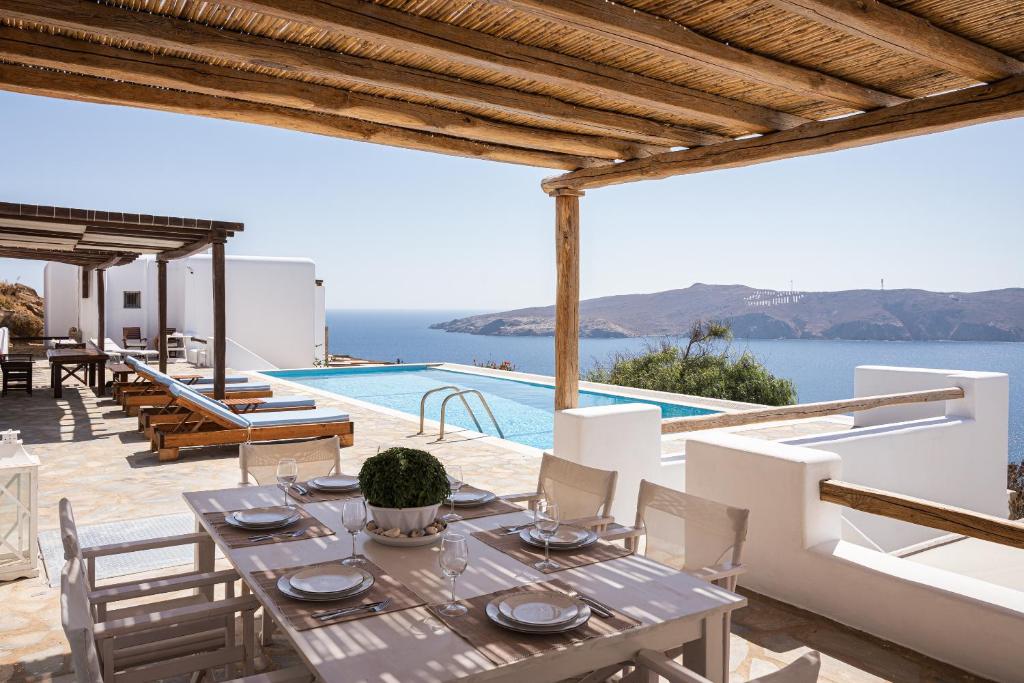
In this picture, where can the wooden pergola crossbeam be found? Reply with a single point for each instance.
(908, 33)
(56, 52)
(256, 52)
(675, 41)
(400, 30)
(980, 104)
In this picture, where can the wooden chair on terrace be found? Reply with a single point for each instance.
(803, 670)
(582, 493)
(139, 641)
(131, 338)
(316, 458)
(17, 372)
(213, 424)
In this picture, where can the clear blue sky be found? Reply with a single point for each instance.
(392, 228)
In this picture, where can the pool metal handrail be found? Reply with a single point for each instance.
(423, 405)
(462, 395)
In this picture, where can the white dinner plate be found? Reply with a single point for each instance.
(540, 608)
(337, 482)
(566, 538)
(495, 615)
(470, 498)
(285, 586)
(327, 579)
(272, 521)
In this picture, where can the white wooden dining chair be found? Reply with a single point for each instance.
(582, 493)
(803, 670)
(315, 458)
(700, 536)
(139, 644)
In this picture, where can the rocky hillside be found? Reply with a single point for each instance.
(902, 314)
(21, 310)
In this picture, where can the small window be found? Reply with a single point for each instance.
(133, 299)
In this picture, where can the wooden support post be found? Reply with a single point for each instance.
(101, 325)
(567, 298)
(219, 322)
(161, 306)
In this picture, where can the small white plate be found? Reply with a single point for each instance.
(232, 519)
(285, 586)
(338, 482)
(333, 578)
(404, 542)
(539, 608)
(495, 615)
(565, 537)
(264, 516)
(470, 498)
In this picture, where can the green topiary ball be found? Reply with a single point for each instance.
(403, 478)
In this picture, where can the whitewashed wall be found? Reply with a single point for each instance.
(273, 305)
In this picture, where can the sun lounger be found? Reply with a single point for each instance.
(157, 394)
(173, 414)
(217, 425)
(111, 348)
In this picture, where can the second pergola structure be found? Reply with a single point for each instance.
(98, 240)
(610, 92)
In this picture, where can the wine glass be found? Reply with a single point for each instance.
(353, 516)
(453, 558)
(545, 518)
(287, 473)
(454, 484)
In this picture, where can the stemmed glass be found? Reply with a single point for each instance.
(287, 473)
(353, 516)
(453, 558)
(454, 484)
(545, 518)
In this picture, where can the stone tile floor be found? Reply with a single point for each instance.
(91, 452)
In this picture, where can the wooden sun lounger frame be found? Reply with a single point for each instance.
(156, 395)
(210, 430)
(173, 414)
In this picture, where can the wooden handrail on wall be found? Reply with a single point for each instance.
(805, 410)
(923, 512)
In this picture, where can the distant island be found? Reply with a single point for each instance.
(857, 314)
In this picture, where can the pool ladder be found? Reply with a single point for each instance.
(461, 394)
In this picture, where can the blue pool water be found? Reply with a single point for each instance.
(524, 410)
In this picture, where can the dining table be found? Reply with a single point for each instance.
(668, 609)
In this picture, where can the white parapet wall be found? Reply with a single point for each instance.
(795, 553)
(951, 452)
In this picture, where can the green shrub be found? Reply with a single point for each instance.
(701, 367)
(403, 478)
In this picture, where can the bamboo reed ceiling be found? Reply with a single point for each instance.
(610, 92)
(101, 239)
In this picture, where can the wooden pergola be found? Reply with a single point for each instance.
(610, 92)
(98, 240)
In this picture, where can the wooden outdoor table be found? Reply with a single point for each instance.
(66, 363)
(242, 405)
(674, 608)
(120, 371)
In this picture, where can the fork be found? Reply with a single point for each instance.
(347, 611)
(282, 534)
(599, 608)
(516, 528)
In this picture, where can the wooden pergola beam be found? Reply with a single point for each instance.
(58, 215)
(257, 53)
(910, 34)
(400, 30)
(979, 104)
(57, 52)
(48, 83)
(674, 41)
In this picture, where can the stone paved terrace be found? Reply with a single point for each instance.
(91, 452)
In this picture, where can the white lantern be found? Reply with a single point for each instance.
(19, 509)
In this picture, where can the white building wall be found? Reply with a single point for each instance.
(273, 306)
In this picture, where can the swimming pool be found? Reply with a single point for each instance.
(525, 410)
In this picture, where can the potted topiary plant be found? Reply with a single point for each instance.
(403, 488)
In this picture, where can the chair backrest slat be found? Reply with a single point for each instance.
(579, 491)
(689, 532)
(68, 530)
(131, 333)
(315, 458)
(76, 618)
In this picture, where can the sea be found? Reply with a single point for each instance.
(822, 370)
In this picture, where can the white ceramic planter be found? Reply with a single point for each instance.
(406, 519)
